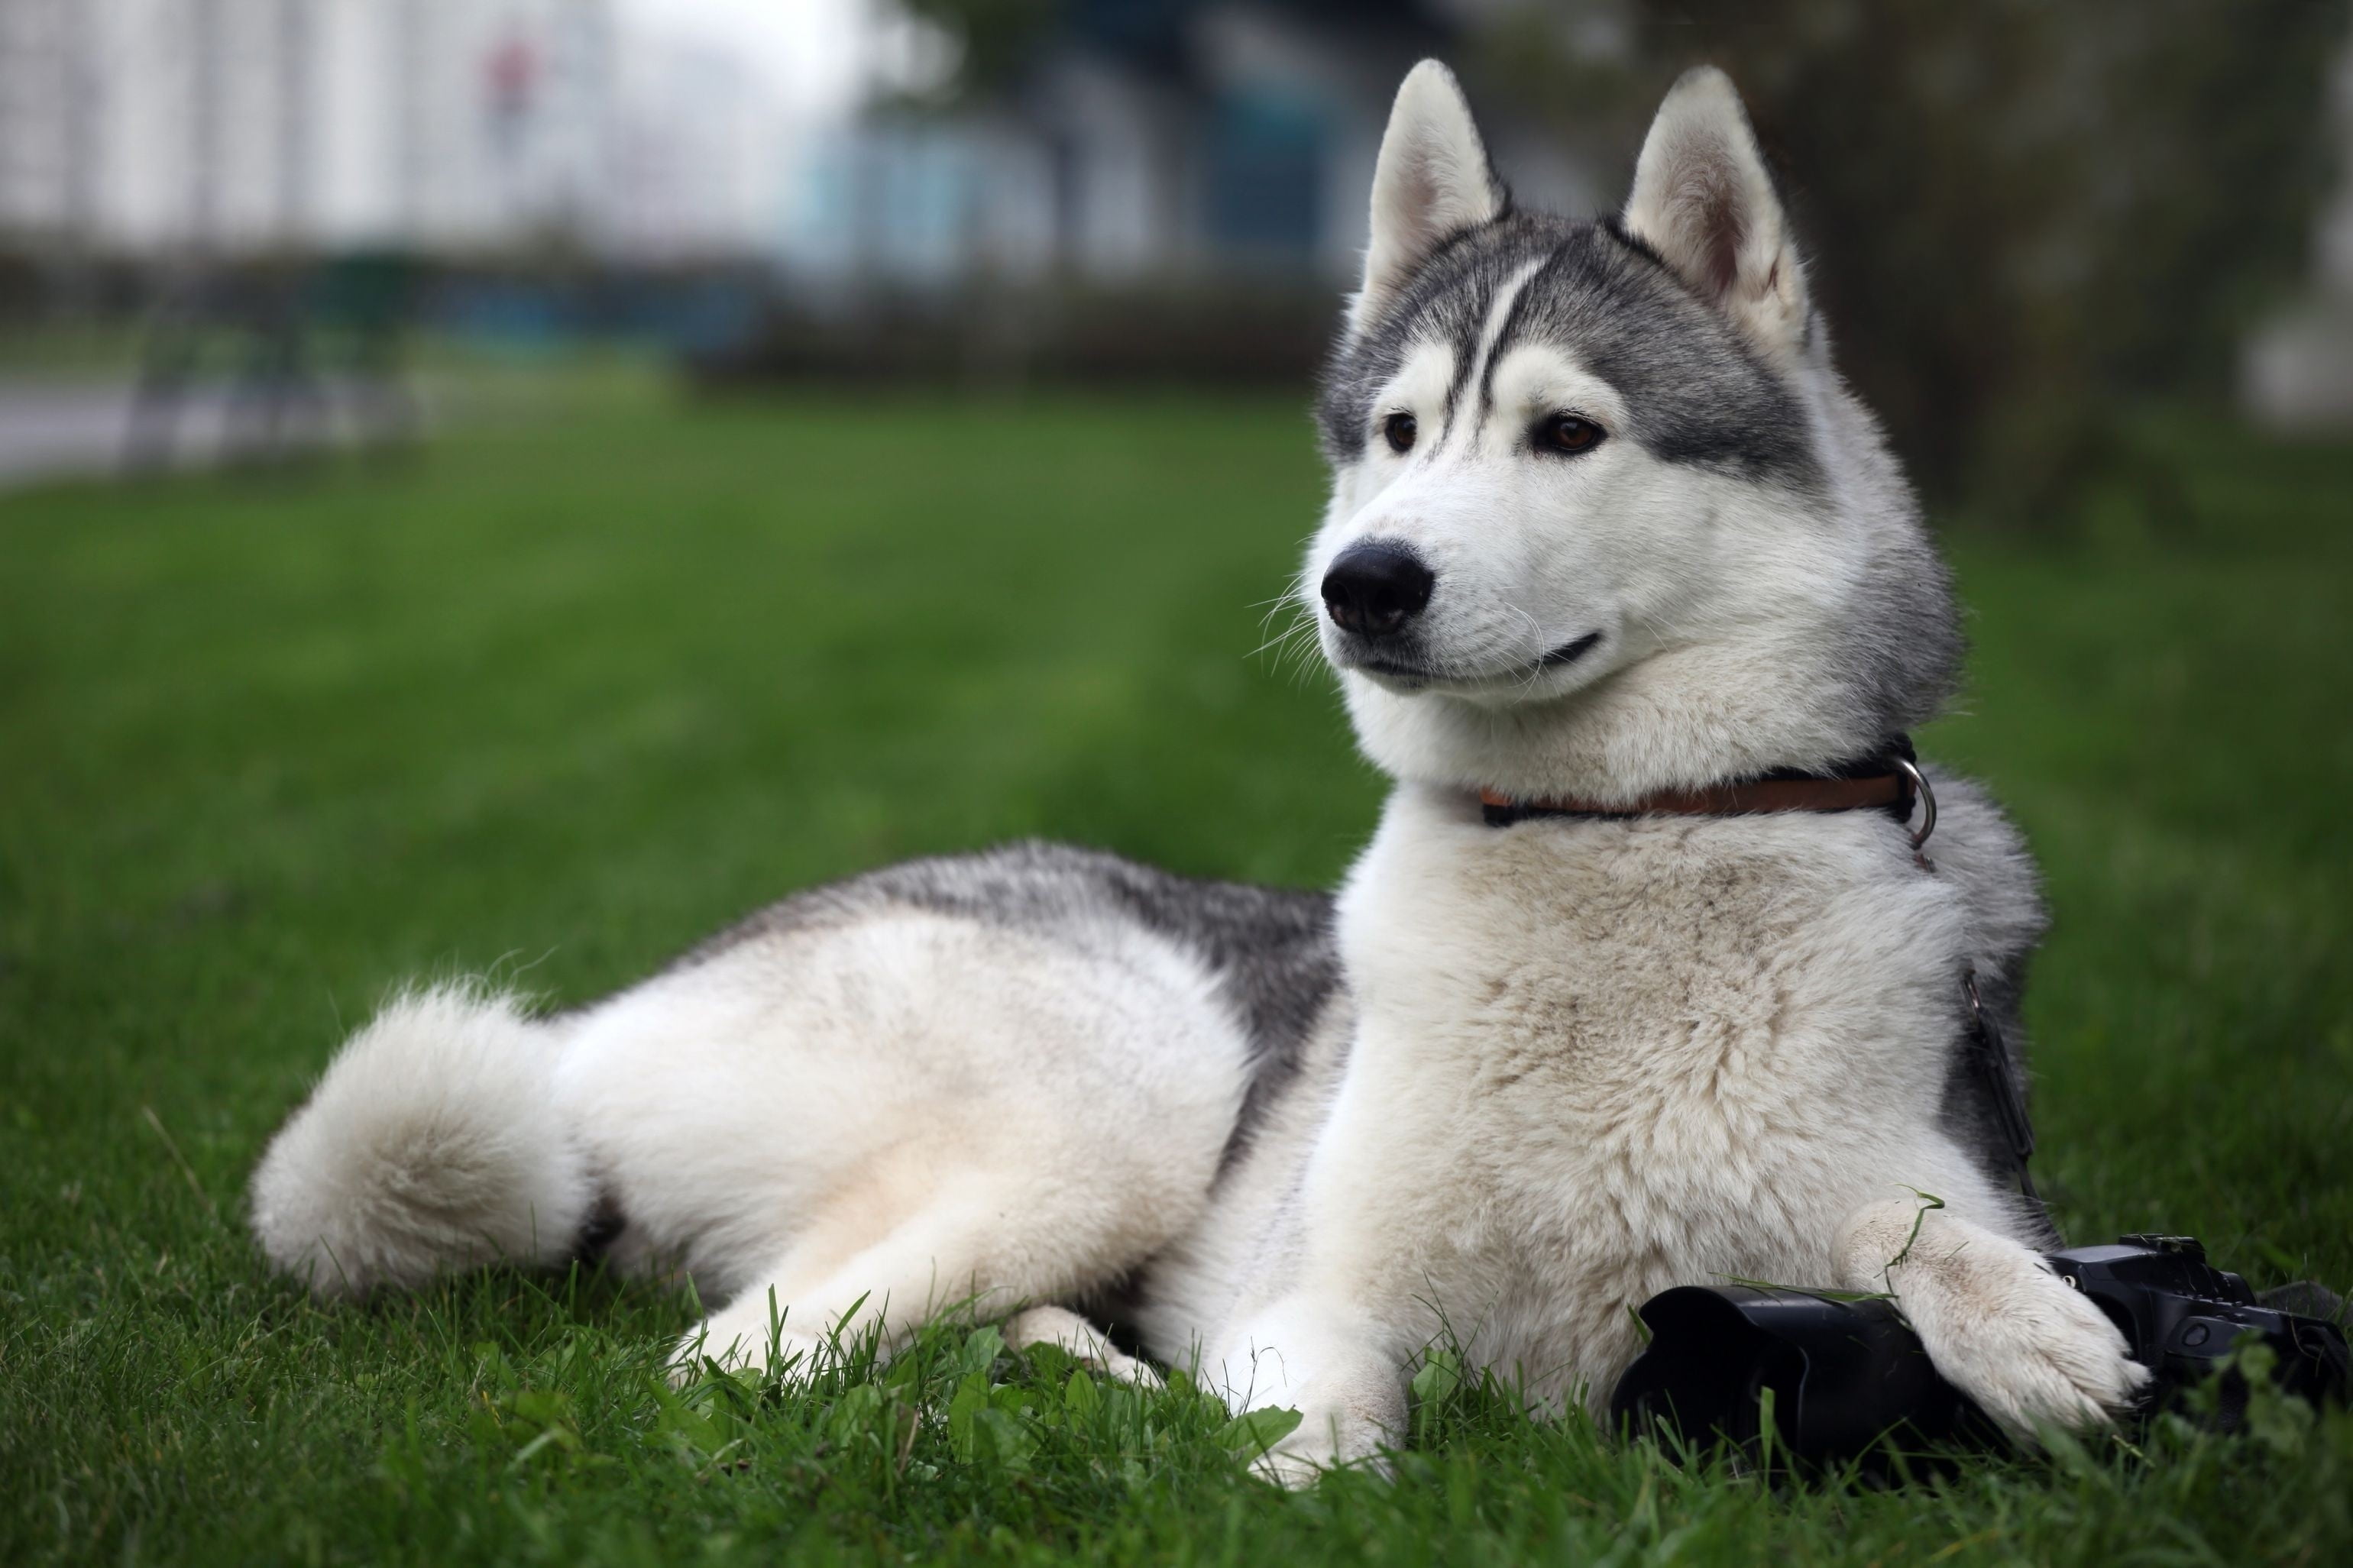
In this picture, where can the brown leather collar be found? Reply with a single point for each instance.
(1887, 782)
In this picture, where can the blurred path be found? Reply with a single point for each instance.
(50, 428)
(56, 428)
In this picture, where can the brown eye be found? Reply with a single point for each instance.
(1400, 429)
(1566, 433)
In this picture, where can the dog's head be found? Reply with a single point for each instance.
(1603, 519)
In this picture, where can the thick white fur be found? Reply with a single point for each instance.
(1591, 1065)
(1574, 1063)
(431, 1143)
(915, 1110)
(896, 1115)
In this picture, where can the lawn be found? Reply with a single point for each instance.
(553, 699)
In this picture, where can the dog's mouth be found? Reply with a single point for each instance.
(1392, 669)
(1569, 652)
(1413, 674)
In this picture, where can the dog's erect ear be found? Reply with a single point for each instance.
(1703, 201)
(1434, 181)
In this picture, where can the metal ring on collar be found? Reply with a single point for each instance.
(1927, 802)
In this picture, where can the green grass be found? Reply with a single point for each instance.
(558, 700)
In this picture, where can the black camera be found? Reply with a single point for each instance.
(1825, 1379)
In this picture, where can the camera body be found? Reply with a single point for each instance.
(2181, 1316)
(1813, 1380)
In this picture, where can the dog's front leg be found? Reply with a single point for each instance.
(1997, 1323)
(1316, 1353)
(1360, 1298)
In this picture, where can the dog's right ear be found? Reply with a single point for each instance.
(1434, 181)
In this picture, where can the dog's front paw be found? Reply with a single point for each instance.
(1998, 1323)
(1295, 1469)
(2029, 1349)
(1329, 1436)
(737, 1342)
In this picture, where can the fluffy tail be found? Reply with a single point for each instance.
(432, 1143)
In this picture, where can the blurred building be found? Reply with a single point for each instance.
(150, 127)
(697, 156)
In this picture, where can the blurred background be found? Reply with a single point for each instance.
(249, 227)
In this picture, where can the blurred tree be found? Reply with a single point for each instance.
(999, 40)
(2020, 213)
(995, 38)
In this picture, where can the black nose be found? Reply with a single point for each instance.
(1373, 588)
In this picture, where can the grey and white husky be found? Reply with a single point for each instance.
(1606, 529)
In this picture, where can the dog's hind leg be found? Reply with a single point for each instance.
(1080, 1340)
(1997, 1323)
(973, 1246)
(935, 1260)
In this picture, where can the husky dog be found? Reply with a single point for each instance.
(1608, 537)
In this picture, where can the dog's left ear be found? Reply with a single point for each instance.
(1704, 201)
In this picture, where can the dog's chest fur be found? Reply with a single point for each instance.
(1626, 1055)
